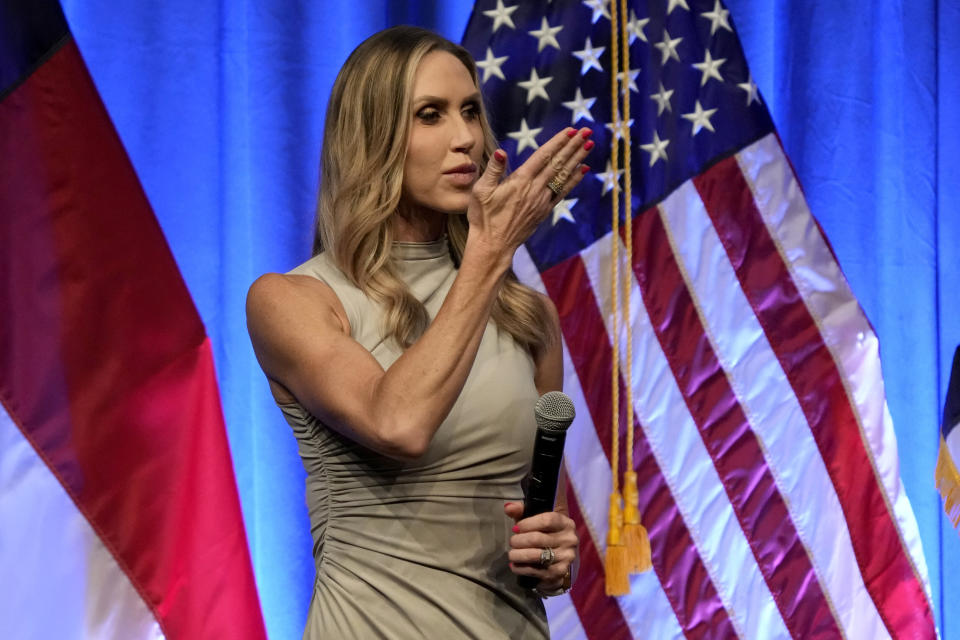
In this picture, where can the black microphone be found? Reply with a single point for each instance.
(554, 412)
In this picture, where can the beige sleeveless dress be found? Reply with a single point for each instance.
(419, 549)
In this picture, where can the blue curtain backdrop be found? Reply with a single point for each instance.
(221, 105)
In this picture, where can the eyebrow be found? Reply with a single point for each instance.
(426, 99)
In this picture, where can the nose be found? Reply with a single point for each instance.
(464, 135)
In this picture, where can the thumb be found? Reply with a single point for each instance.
(514, 510)
(492, 175)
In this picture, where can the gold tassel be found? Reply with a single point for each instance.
(948, 482)
(635, 537)
(615, 563)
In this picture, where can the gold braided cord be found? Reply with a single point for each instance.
(615, 251)
(628, 227)
(635, 537)
(616, 567)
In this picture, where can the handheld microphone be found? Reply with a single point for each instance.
(554, 413)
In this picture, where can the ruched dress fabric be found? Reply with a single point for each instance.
(413, 550)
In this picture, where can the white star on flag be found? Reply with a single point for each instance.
(580, 107)
(700, 118)
(589, 57)
(710, 68)
(618, 128)
(622, 79)
(635, 27)
(491, 66)
(662, 98)
(657, 149)
(609, 178)
(525, 137)
(668, 47)
(717, 17)
(535, 86)
(751, 88)
(501, 15)
(677, 3)
(546, 35)
(562, 211)
(599, 8)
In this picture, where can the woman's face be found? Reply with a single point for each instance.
(446, 140)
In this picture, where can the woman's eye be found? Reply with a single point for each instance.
(428, 115)
(471, 113)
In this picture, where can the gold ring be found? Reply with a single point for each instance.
(555, 185)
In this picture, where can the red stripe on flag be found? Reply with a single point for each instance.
(727, 435)
(104, 361)
(677, 563)
(793, 334)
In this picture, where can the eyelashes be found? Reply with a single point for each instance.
(431, 114)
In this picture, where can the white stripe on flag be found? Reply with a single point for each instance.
(676, 442)
(646, 610)
(846, 331)
(768, 400)
(59, 580)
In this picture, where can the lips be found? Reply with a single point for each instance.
(466, 168)
(462, 175)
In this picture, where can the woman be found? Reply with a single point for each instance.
(407, 357)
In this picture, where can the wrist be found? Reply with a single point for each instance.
(490, 256)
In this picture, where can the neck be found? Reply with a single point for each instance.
(418, 226)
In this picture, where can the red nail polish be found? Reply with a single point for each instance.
(587, 133)
(584, 168)
(588, 145)
(516, 529)
(571, 133)
(499, 155)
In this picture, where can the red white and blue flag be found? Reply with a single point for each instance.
(119, 515)
(766, 457)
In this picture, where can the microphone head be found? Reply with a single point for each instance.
(554, 411)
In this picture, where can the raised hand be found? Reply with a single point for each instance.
(503, 213)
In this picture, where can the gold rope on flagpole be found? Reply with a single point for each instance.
(615, 561)
(634, 534)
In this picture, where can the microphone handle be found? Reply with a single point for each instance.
(542, 488)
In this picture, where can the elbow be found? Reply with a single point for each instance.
(402, 442)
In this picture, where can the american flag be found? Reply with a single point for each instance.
(765, 454)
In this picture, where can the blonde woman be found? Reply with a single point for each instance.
(407, 358)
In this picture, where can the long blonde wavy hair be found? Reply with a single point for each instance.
(364, 149)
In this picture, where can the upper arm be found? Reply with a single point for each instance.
(301, 338)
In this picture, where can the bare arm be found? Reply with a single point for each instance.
(301, 337)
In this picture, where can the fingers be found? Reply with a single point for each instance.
(493, 174)
(548, 522)
(564, 143)
(564, 166)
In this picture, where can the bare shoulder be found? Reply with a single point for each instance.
(276, 296)
(288, 318)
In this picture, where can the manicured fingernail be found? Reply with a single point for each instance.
(587, 133)
(499, 155)
(516, 529)
(588, 145)
(571, 133)
(584, 168)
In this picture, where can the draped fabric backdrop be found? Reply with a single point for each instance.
(221, 106)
